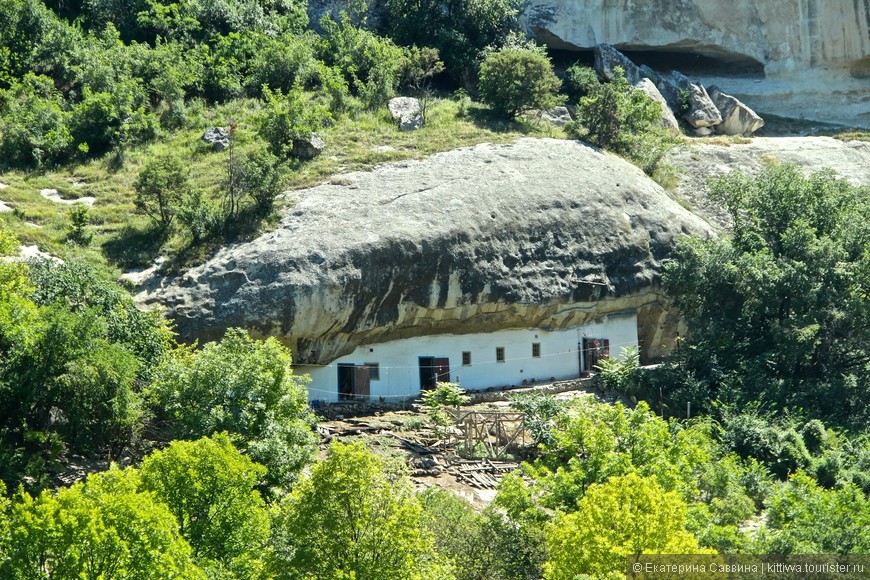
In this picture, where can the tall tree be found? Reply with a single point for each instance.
(780, 310)
(354, 517)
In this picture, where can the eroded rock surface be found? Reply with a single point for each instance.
(737, 118)
(540, 233)
(700, 162)
(789, 58)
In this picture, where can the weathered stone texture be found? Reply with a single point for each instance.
(541, 233)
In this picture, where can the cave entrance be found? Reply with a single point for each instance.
(691, 62)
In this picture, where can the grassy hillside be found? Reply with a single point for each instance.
(124, 239)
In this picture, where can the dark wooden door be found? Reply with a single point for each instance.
(427, 373)
(594, 351)
(361, 386)
(346, 380)
(442, 370)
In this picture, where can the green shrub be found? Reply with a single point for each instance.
(371, 64)
(541, 411)
(814, 435)
(354, 516)
(283, 62)
(95, 529)
(78, 231)
(516, 79)
(247, 388)
(336, 90)
(261, 179)
(580, 80)
(33, 123)
(460, 30)
(444, 396)
(621, 374)
(162, 184)
(210, 488)
(199, 215)
(287, 118)
(225, 63)
(622, 119)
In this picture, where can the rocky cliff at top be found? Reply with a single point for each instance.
(540, 233)
(787, 57)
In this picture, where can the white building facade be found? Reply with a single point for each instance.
(400, 369)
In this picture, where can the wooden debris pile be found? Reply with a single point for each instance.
(482, 473)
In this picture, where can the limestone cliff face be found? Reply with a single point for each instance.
(807, 48)
(540, 233)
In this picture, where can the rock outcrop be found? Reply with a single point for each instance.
(558, 116)
(700, 109)
(607, 58)
(737, 118)
(407, 111)
(217, 137)
(786, 57)
(703, 161)
(308, 148)
(540, 233)
(668, 120)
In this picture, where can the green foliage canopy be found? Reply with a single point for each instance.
(354, 517)
(518, 78)
(209, 487)
(627, 515)
(781, 311)
(247, 388)
(104, 528)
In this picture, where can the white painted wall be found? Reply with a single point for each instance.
(400, 370)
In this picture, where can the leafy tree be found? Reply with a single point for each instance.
(438, 400)
(199, 215)
(518, 78)
(489, 545)
(146, 334)
(593, 442)
(78, 232)
(225, 63)
(580, 80)
(103, 120)
(460, 30)
(354, 517)
(620, 118)
(780, 310)
(621, 374)
(209, 487)
(723, 506)
(541, 411)
(804, 518)
(33, 123)
(283, 63)
(257, 177)
(75, 353)
(261, 179)
(161, 185)
(247, 388)
(23, 24)
(104, 528)
(371, 64)
(627, 515)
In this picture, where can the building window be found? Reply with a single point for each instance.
(466, 358)
(374, 371)
(536, 349)
(499, 354)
